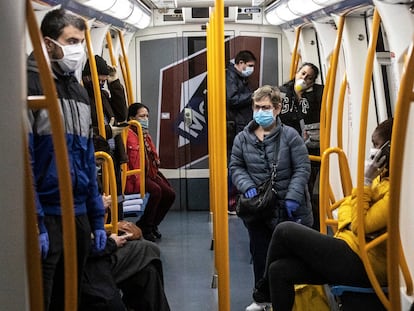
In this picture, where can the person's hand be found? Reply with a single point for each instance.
(99, 240)
(374, 167)
(107, 201)
(44, 244)
(130, 229)
(112, 74)
(291, 207)
(116, 130)
(251, 193)
(120, 240)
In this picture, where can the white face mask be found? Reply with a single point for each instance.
(247, 72)
(73, 54)
(300, 85)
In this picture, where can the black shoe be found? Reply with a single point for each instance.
(261, 292)
(149, 236)
(156, 232)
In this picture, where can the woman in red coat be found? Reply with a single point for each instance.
(161, 194)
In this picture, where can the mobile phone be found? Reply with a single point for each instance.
(385, 150)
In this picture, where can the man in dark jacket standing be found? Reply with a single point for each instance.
(238, 105)
(238, 93)
(63, 34)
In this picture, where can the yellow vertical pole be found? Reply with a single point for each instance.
(220, 151)
(128, 81)
(403, 110)
(332, 76)
(340, 116)
(110, 48)
(361, 156)
(295, 56)
(50, 102)
(210, 99)
(95, 83)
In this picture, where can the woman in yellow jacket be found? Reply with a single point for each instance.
(300, 255)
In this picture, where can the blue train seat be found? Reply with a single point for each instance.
(133, 205)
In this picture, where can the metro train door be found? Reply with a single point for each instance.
(172, 81)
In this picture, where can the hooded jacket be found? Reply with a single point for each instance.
(251, 164)
(76, 117)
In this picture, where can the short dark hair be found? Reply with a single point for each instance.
(54, 22)
(314, 68)
(133, 109)
(245, 56)
(384, 129)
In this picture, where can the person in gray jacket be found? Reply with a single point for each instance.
(253, 156)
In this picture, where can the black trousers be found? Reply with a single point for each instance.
(53, 266)
(301, 255)
(259, 238)
(144, 291)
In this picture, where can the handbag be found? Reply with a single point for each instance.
(127, 227)
(265, 203)
(261, 206)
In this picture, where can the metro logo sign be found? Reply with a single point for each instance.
(183, 88)
(182, 143)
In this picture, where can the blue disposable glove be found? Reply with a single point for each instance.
(99, 240)
(291, 206)
(251, 193)
(44, 244)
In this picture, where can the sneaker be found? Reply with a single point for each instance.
(261, 291)
(256, 306)
(231, 212)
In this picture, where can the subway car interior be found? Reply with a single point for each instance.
(171, 55)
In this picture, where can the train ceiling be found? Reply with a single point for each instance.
(172, 4)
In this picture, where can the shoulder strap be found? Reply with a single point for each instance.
(277, 153)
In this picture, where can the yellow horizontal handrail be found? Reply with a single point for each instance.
(141, 170)
(326, 204)
(109, 188)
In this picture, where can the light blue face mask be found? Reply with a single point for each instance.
(247, 72)
(144, 124)
(264, 117)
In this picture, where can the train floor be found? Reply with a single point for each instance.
(188, 262)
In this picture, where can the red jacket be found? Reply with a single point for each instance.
(152, 160)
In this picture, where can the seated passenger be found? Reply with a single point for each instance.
(161, 194)
(300, 255)
(130, 264)
(114, 110)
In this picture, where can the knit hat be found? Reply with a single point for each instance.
(101, 66)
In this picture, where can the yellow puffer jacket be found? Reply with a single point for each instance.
(376, 204)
